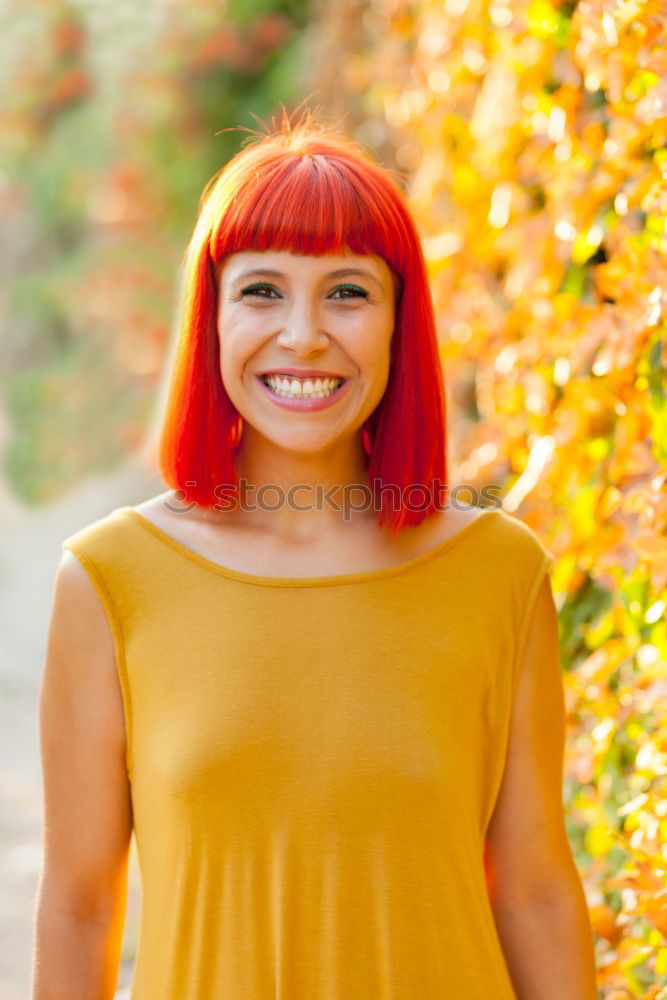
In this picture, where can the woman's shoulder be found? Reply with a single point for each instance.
(501, 540)
(93, 531)
(450, 520)
(515, 544)
(109, 549)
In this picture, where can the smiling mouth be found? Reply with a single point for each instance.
(303, 388)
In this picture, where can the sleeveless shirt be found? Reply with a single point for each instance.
(313, 762)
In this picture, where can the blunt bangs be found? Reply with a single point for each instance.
(310, 204)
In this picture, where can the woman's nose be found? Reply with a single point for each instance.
(302, 331)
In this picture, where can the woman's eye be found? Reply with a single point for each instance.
(258, 289)
(263, 291)
(353, 289)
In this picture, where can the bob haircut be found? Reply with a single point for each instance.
(309, 189)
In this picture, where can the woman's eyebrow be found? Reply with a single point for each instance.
(339, 273)
(342, 271)
(259, 270)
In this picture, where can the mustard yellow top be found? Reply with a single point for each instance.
(314, 762)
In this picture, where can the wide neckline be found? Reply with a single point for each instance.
(359, 576)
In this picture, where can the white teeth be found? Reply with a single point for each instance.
(283, 385)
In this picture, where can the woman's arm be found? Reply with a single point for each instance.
(537, 897)
(80, 911)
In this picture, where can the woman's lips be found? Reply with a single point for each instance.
(300, 373)
(307, 405)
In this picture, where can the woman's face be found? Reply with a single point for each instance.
(286, 321)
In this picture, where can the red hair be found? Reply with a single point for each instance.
(311, 190)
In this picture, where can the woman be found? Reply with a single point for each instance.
(326, 699)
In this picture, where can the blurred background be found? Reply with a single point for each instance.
(531, 137)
